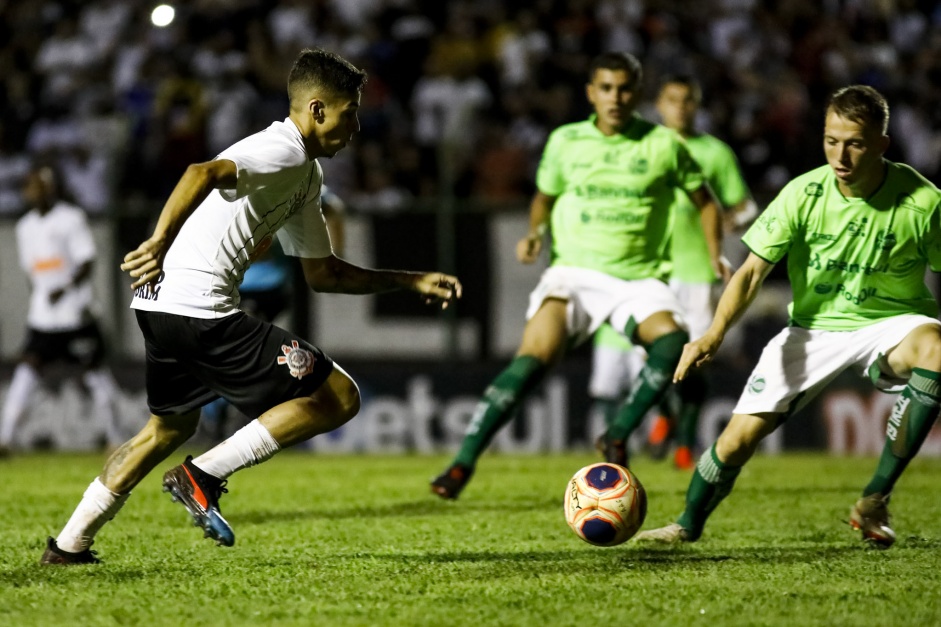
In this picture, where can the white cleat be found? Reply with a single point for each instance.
(671, 534)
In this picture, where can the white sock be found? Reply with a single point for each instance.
(24, 383)
(98, 506)
(250, 445)
(103, 391)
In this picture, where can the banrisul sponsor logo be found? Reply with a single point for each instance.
(852, 267)
(604, 192)
(757, 384)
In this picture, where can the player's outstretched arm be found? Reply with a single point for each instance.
(528, 248)
(332, 274)
(710, 215)
(738, 295)
(145, 264)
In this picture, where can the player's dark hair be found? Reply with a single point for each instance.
(686, 80)
(861, 104)
(318, 72)
(617, 61)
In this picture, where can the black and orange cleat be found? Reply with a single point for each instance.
(661, 434)
(870, 515)
(54, 556)
(613, 451)
(450, 483)
(683, 458)
(199, 493)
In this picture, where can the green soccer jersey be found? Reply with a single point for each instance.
(691, 263)
(853, 261)
(614, 196)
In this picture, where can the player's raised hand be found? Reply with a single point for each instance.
(436, 287)
(695, 354)
(145, 264)
(528, 248)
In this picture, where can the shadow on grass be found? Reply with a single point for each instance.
(423, 507)
(497, 563)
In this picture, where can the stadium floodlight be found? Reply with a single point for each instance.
(162, 15)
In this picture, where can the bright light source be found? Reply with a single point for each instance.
(162, 15)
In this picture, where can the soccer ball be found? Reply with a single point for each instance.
(605, 504)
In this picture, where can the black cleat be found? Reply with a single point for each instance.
(613, 451)
(199, 493)
(448, 485)
(54, 556)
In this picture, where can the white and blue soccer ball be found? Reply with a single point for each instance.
(605, 504)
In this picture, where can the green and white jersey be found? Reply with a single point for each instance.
(691, 263)
(853, 261)
(614, 196)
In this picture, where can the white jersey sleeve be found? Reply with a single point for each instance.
(277, 193)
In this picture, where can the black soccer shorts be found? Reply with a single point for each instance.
(83, 346)
(252, 364)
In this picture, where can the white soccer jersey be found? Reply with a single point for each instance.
(278, 190)
(51, 249)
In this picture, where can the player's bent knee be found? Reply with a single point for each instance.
(739, 440)
(929, 353)
(345, 395)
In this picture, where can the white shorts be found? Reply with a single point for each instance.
(798, 363)
(595, 297)
(698, 301)
(614, 370)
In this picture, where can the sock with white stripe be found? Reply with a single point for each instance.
(98, 506)
(712, 482)
(250, 445)
(912, 417)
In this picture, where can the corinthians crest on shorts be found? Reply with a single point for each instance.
(300, 361)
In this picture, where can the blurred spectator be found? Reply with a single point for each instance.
(435, 70)
(13, 168)
(57, 252)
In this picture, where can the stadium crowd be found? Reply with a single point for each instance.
(121, 106)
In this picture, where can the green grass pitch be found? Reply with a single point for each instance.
(359, 540)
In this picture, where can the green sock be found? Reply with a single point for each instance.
(662, 356)
(912, 417)
(692, 394)
(670, 403)
(499, 402)
(712, 482)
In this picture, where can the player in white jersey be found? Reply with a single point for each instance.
(57, 252)
(220, 217)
